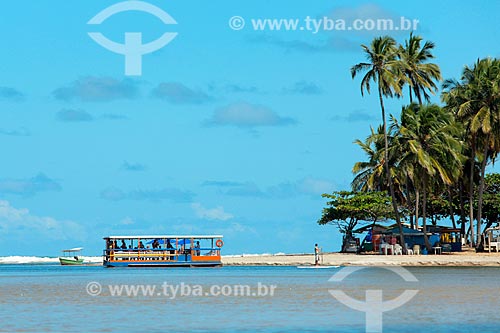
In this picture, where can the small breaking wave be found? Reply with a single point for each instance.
(253, 255)
(17, 260)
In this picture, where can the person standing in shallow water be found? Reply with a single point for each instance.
(316, 254)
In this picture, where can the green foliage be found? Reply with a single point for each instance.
(382, 67)
(420, 74)
(345, 209)
(491, 203)
(429, 143)
(475, 100)
(434, 157)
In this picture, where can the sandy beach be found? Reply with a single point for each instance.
(466, 258)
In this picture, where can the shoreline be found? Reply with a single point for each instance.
(466, 258)
(458, 259)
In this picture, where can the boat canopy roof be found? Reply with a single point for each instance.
(165, 236)
(75, 249)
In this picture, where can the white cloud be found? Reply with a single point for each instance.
(8, 93)
(356, 116)
(347, 40)
(98, 89)
(177, 93)
(362, 12)
(216, 213)
(18, 132)
(133, 166)
(368, 11)
(19, 223)
(127, 221)
(303, 88)
(30, 186)
(248, 116)
(305, 186)
(73, 115)
(314, 186)
(153, 195)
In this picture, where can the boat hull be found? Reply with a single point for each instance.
(161, 264)
(70, 261)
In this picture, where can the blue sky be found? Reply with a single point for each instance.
(232, 132)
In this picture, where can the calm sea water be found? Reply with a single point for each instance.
(52, 298)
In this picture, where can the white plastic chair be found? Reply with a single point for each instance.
(398, 249)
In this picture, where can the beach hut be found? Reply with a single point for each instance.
(372, 240)
(450, 239)
(412, 236)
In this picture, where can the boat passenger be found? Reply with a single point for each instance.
(123, 246)
(170, 249)
(197, 248)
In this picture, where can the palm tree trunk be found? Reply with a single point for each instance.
(452, 213)
(424, 212)
(417, 207)
(408, 200)
(480, 194)
(419, 99)
(462, 210)
(417, 94)
(388, 171)
(471, 192)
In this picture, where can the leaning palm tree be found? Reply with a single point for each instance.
(370, 174)
(420, 74)
(430, 145)
(382, 67)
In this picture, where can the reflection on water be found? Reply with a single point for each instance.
(54, 298)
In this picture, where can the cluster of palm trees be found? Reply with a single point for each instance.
(431, 151)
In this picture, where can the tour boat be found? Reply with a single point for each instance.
(163, 251)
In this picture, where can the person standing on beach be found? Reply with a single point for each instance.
(316, 255)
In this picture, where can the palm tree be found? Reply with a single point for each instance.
(485, 116)
(421, 76)
(382, 67)
(456, 96)
(369, 175)
(476, 101)
(428, 136)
